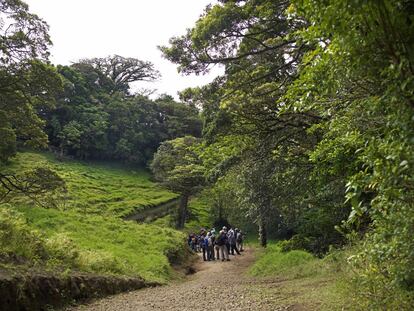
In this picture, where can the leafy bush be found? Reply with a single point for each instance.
(374, 282)
(63, 250)
(17, 238)
(297, 242)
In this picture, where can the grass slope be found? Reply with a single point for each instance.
(89, 235)
(302, 279)
(104, 189)
(108, 245)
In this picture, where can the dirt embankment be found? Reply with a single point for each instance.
(22, 289)
(34, 292)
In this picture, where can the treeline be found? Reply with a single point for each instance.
(96, 117)
(309, 133)
(86, 110)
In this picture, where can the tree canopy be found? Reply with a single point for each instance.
(322, 91)
(177, 166)
(27, 84)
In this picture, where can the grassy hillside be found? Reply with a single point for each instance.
(88, 234)
(104, 189)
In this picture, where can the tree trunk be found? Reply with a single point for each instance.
(262, 233)
(182, 211)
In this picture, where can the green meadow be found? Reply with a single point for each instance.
(88, 234)
(108, 189)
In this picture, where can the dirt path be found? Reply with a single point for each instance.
(216, 286)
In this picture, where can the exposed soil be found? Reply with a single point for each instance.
(216, 286)
(41, 291)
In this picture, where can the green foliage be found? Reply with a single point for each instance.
(369, 277)
(199, 208)
(24, 35)
(8, 145)
(357, 77)
(18, 239)
(178, 167)
(28, 89)
(297, 242)
(97, 118)
(324, 92)
(28, 84)
(42, 185)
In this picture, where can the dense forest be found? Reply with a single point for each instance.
(307, 137)
(309, 133)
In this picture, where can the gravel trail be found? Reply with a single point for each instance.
(216, 286)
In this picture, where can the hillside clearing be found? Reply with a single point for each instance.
(88, 234)
(109, 189)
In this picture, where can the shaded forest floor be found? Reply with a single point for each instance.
(223, 286)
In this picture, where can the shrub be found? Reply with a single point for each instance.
(17, 239)
(297, 242)
(62, 250)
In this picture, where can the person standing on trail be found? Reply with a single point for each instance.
(221, 243)
(239, 240)
(217, 248)
(192, 242)
(231, 235)
(227, 240)
(211, 246)
(204, 245)
(207, 246)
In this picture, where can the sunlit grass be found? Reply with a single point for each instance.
(302, 279)
(130, 248)
(104, 189)
(88, 233)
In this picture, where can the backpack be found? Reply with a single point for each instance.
(206, 242)
(213, 240)
(221, 240)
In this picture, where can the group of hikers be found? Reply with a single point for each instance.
(215, 246)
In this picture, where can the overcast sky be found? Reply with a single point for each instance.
(130, 28)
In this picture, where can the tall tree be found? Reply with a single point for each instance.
(23, 35)
(177, 166)
(27, 84)
(116, 72)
